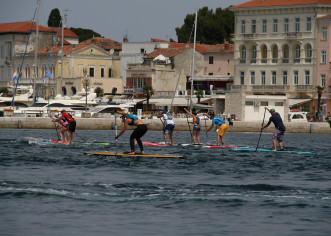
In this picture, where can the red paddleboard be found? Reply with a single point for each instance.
(151, 144)
(55, 141)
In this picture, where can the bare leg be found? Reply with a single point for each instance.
(194, 134)
(218, 140)
(172, 139)
(165, 139)
(198, 137)
(281, 145)
(275, 145)
(222, 140)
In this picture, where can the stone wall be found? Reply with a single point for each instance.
(155, 124)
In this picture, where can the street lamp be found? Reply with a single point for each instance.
(86, 84)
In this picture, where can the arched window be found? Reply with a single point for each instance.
(254, 53)
(274, 53)
(64, 91)
(297, 53)
(114, 90)
(286, 53)
(264, 54)
(43, 70)
(308, 53)
(73, 90)
(243, 54)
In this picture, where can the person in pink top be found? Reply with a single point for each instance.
(63, 125)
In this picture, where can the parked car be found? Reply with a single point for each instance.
(298, 116)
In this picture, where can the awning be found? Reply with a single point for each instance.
(293, 101)
(176, 102)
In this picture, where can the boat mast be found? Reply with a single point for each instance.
(61, 92)
(36, 55)
(192, 74)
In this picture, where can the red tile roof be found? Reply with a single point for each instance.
(105, 43)
(271, 3)
(67, 48)
(24, 27)
(167, 52)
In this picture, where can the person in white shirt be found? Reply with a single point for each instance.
(169, 126)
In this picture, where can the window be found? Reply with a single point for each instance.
(308, 24)
(284, 77)
(243, 26)
(142, 50)
(297, 54)
(264, 26)
(211, 60)
(295, 77)
(263, 77)
(91, 70)
(275, 26)
(210, 73)
(2, 51)
(27, 71)
(264, 54)
(324, 33)
(243, 54)
(323, 77)
(286, 25)
(323, 57)
(253, 29)
(249, 103)
(297, 25)
(273, 77)
(279, 104)
(274, 54)
(102, 72)
(109, 73)
(307, 77)
(308, 53)
(139, 82)
(252, 75)
(242, 77)
(8, 49)
(264, 104)
(43, 70)
(254, 53)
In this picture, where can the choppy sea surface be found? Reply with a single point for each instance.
(55, 189)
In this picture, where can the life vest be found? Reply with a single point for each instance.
(68, 117)
(133, 117)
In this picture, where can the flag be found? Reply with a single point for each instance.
(14, 77)
(49, 74)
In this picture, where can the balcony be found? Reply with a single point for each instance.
(270, 88)
(238, 88)
(293, 35)
(304, 88)
(248, 37)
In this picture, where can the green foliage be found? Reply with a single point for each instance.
(54, 19)
(199, 95)
(4, 90)
(84, 34)
(213, 27)
(99, 91)
(148, 91)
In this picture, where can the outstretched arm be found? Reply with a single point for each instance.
(188, 112)
(210, 127)
(124, 128)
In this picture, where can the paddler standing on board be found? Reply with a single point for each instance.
(63, 128)
(72, 124)
(168, 128)
(280, 128)
(141, 129)
(196, 125)
(220, 123)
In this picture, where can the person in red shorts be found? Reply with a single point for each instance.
(72, 124)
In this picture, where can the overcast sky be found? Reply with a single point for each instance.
(138, 19)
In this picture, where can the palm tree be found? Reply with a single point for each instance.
(199, 95)
(319, 90)
(99, 91)
(148, 91)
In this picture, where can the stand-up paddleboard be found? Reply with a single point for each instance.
(49, 141)
(132, 155)
(247, 149)
(215, 146)
(151, 144)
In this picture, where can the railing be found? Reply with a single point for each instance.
(238, 87)
(293, 35)
(304, 88)
(270, 88)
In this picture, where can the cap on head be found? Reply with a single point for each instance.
(63, 111)
(272, 110)
(56, 114)
(125, 112)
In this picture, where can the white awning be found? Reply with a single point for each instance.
(293, 101)
(176, 102)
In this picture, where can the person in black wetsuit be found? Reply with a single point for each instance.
(279, 128)
(137, 133)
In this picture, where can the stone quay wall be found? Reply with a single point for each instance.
(156, 124)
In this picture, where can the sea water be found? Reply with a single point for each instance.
(55, 189)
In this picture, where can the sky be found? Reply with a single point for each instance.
(139, 20)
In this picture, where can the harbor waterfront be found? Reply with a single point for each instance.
(156, 124)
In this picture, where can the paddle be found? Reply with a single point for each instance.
(80, 137)
(115, 135)
(58, 137)
(188, 123)
(261, 131)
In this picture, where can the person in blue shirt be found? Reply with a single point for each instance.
(279, 128)
(137, 133)
(220, 123)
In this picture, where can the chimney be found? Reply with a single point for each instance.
(125, 40)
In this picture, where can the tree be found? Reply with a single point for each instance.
(319, 90)
(84, 34)
(199, 95)
(213, 27)
(54, 19)
(148, 91)
(4, 90)
(99, 91)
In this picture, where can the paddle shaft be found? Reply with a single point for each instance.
(58, 137)
(116, 135)
(189, 128)
(261, 131)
